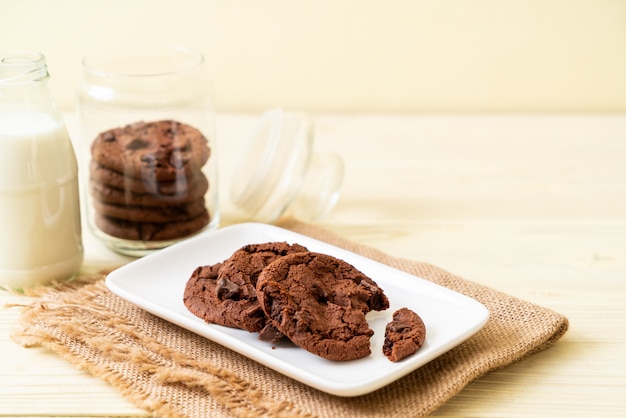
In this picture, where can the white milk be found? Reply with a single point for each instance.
(40, 230)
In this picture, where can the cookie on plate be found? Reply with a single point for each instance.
(230, 298)
(404, 335)
(319, 302)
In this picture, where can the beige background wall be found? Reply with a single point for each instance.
(356, 55)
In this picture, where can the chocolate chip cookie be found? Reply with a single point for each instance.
(230, 298)
(151, 231)
(160, 151)
(154, 214)
(319, 302)
(112, 187)
(404, 335)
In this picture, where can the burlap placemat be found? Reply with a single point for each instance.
(174, 373)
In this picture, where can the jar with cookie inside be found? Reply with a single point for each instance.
(148, 153)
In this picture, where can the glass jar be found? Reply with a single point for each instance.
(39, 201)
(148, 126)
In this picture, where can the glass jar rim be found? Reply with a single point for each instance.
(22, 66)
(142, 61)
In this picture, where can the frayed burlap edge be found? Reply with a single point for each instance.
(74, 339)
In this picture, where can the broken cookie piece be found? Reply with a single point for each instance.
(404, 335)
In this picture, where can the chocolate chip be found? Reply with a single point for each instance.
(149, 159)
(137, 144)
(269, 333)
(397, 327)
(227, 289)
(376, 300)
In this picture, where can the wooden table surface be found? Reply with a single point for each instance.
(534, 206)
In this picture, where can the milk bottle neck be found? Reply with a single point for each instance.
(24, 86)
(22, 67)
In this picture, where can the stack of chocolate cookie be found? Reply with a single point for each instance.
(147, 183)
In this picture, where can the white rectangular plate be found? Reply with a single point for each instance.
(156, 283)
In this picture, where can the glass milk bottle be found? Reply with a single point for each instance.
(40, 228)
